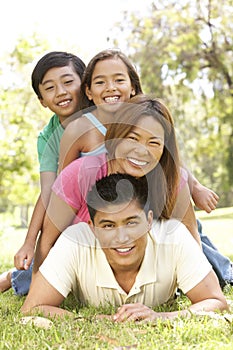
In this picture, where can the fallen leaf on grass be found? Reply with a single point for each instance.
(37, 321)
(228, 318)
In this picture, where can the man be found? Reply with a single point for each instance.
(125, 259)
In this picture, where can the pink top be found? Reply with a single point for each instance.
(76, 180)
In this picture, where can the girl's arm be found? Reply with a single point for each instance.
(24, 256)
(184, 212)
(69, 146)
(73, 140)
(203, 197)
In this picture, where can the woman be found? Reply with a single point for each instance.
(141, 141)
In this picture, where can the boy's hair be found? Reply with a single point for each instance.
(117, 189)
(102, 56)
(55, 59)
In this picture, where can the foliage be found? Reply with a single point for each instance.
(20, 119)
(183, 50)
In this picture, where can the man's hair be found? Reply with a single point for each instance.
(55, 59)
(117, 189)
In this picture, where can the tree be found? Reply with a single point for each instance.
(183, 50)
(20, 119)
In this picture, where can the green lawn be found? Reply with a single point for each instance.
(218, 226)
(88, 333)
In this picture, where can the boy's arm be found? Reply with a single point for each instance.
(26, 252)
(203, 197)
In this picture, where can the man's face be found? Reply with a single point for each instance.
(122, 233)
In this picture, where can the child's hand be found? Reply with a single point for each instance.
(204, 198)
(24, 256)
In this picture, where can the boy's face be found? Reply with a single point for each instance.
(122, 233)
(60, 91)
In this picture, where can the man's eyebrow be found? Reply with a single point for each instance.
(103, 221)
(62, 76)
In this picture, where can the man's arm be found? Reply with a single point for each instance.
(43, 297)
(205, 296)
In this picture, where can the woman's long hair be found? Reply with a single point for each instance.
(163, 180)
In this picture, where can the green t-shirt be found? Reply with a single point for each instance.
(48, 145)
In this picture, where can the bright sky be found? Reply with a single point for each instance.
(85, 24)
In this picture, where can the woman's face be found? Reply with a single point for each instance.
(141, 150)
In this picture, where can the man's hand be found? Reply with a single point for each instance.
(138, 312)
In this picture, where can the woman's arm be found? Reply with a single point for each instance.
(59, 216)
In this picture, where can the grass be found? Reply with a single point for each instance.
(86, 332)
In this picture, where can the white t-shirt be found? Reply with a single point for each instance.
(172, 259)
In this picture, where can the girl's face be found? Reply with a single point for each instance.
(141, 150)
(60, 91)
(110, 85)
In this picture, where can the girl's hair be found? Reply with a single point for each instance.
(55, 59)
(101, 56)
(164, 178)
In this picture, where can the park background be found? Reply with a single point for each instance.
(183, 51)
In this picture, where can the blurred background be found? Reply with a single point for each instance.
(183, 51)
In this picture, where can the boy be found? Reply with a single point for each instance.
(56, 80)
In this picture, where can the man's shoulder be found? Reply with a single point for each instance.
(169, 231)
(79, 235)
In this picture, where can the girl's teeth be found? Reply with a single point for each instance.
(111, 99)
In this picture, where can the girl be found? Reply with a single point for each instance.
(109, 80)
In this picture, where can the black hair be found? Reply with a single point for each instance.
(117, 189)
(51, 60)
(102, 56)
